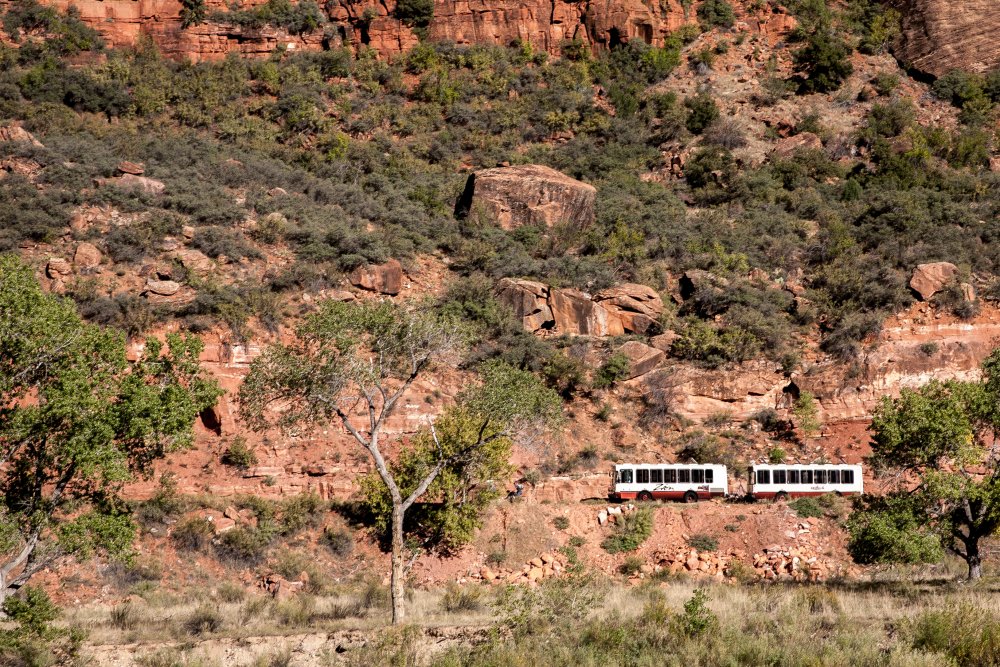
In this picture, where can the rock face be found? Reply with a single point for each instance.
(383, 278)
(543, 24)
(162, 287)
(642, 358)
(575, 313)
(530, 302)
(929, 279)
(639, 307)
(787, 147)
(627, 308)
(941, 35)
(529, 195)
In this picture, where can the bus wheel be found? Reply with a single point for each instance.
(780, 497)
(645, 496)
(690, 497)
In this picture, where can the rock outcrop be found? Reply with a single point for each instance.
(642, 358)
(382, 278)
(941, 35)
(639, 307)
(627, 308)
(530, 302)
(575, 313)
(929, 279)
(529, 194)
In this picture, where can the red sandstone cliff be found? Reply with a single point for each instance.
(942, 35)
(544, 24)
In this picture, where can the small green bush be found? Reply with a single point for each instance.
(561, 522)
(462, 598)
(239, 454)
(193, 533)
(338, 541)
(633, 528)
(204, 620)
(703, 542)
(631, 566)
(807, 507)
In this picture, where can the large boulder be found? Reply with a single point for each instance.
(162, 287)
(529, 301)
(929, 279)
(575, 313)
(529, 194)
(642, 358)
(637, 306)
(58, 267)
(383, 278)
(195, 261)
(87, 256)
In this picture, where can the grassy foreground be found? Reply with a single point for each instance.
(577, 621)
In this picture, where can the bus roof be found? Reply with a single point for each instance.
(670, 465)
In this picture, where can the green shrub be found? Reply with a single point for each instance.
(703, 542)
(824, 62)
(807, 507)
(462, 598)
(560, 522)
(239, 454)
(776, 455)
(632, 565)
(204, 620)
(338, 541)
(415, 13)
(716, 13)
(125, 616)
(613, 370)
(243, 545)
(632, 529)
(702, 112)
(193, 533)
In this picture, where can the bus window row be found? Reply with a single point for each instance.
(814, 476)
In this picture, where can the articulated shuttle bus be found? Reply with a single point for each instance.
(780, 482)
(669, 481)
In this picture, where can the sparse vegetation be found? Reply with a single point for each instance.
(631, 530)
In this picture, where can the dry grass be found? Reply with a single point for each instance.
(868, 613)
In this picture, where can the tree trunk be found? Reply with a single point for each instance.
(398, 593)
(973, 559)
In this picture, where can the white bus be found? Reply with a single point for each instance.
(673, 481)
(780, 482)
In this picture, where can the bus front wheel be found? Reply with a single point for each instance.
(780, 497)
(690, 497)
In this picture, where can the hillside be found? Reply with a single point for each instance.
(720, 233)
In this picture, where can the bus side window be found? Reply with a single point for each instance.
(698, 476)
(670, 476)
(656, 476)
(642, 476)
(709, 475)
(820, 476)
(847, 477)
(834, 477)
(763, 476)
(684, 476)
(793, 476)
(779, 477)
(625, 476)
(807, 476)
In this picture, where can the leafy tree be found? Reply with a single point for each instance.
(79, 421)
(475, 437)
(346, 356)
(823, 62)
(415, 13)
(806, 413)
(944, 436)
